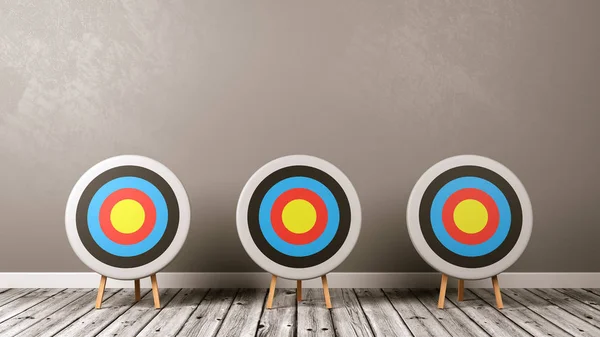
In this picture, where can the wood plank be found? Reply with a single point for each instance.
(172, 317)
(593, 290)
(383, 319)
(456, 322)
(584, 296)
(23, 303)
(563, 319)
(530, 321)
(280, 320)
(347, 316)
(64, 316)
(574, 307)
(419, 320)
(13, 294)
(136, 318)
(38, 312)
(206, 320)
(314, 319)
(242, 318)
(94, 321)
(487, 317)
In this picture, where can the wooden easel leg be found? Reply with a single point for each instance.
(155, 291)
(100, 292)
(461, 290)
(271, 292)
(326, 292)
(497, 292)
(299, 290)
(137, 290)
(443, 291)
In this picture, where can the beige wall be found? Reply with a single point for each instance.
(382, 89)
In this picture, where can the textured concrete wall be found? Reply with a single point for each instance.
(382, 89)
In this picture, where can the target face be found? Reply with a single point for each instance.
(298, 217)
(127, 217)
(469, 217)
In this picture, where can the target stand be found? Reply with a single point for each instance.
(298, 291)
(298, 218)
(136, 284)
(461, 291)
(469, 217)
(126, 218)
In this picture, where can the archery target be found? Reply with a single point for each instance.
(298, 217)
(469, 217)
(127, 217)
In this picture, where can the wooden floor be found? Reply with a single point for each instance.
(356, 312)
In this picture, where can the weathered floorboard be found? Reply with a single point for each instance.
(136, 318)
(530, 321)
(23, 303)
(348, 317)
(243, 316)
(584, 296)
(418, 319)
(280, 320)
(569, 304)
(172, 317)
(314, 319)
(206, 320)
(553, 313)
(38, 312)
(13, 294)
(61, 318)
(486, 316)
(594, 290)
(360, 312)
(94, 321)
(383, 319)
(456, 322)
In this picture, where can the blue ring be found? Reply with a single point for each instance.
(266, 227)
(458, 247)
(93, 216)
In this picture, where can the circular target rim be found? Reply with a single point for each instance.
(430, 256)
(163, 259)
(263, 260)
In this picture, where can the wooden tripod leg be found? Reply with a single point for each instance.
(443, 291)
(100, 292)
(461, 290)
(326, 292)
(271, 292)
(299, 290)
(138, 296)
(497, 292)
(155, 291)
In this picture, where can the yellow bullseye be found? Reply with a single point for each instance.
(299, 216)
(470, 216)
(127, 216)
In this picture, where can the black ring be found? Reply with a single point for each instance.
(154, 252)
(292, 261)
(466, 261)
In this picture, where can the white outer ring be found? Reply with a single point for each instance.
(152, 267)
(298, 273)
(414, 226)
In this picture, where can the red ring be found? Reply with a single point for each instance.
(149, 219)
(493, 216)
(320, 222)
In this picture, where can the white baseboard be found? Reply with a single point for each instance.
(336, 280)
